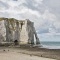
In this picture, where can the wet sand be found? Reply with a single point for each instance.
(28, 53)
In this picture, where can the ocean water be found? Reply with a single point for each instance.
(50, 45)
(50, 41)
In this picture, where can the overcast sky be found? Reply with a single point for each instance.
(44, 13)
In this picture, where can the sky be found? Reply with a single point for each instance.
(44, 13)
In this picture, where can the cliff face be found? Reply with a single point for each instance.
(2, 31)
(23, 31)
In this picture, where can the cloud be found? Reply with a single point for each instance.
(3, 5)
(53, 6)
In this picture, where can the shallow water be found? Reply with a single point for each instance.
(50, 45)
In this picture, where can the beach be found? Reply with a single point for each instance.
(19, 56)
(28, 53)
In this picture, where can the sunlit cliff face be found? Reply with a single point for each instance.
(2, 31)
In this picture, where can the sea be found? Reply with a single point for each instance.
(50, 41)
(50, 45)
